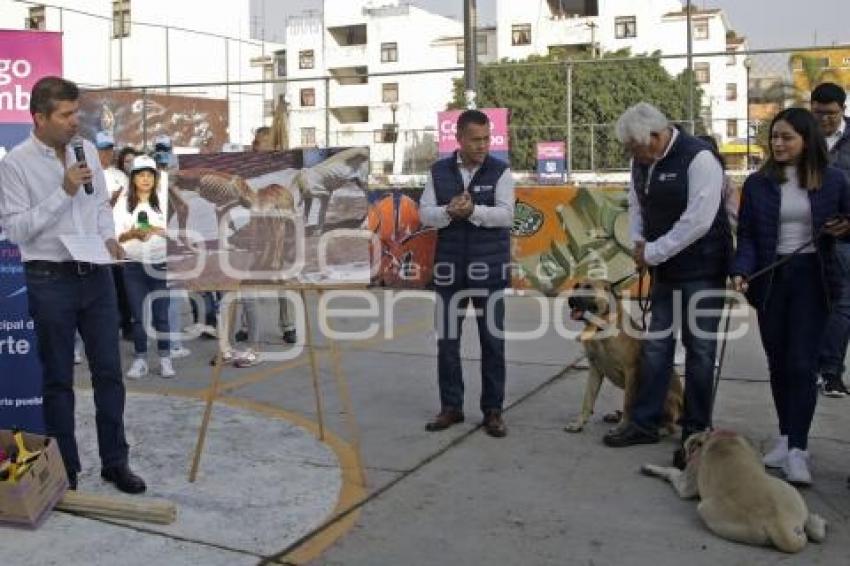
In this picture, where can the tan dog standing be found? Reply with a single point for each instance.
(739, 500)
(613, 351)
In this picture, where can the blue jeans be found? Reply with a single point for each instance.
(62, 304)
(835, 338)
(791, 325)
(668, 299)
(449, 329)
(139, 283)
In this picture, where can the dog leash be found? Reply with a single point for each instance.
(643, 302)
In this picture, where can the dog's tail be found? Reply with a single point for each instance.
(815, 527)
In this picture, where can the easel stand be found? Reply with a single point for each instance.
(213, 392)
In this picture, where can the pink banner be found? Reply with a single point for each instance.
(25, 57)
(499, 130)
(551, 150)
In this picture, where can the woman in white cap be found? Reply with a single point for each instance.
(141, 228)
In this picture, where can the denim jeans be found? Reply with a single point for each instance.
(62, 304)
(139, 283)
(835, 338)
(669, 313)
(791, 325)
(449, 329)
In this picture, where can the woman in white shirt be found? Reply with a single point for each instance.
(140, 223)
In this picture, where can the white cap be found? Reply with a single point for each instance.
(142, 162)
(162, 141)
(104, 140)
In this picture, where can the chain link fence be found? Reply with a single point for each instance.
(735, 95)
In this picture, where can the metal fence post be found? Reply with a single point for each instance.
(569, 156)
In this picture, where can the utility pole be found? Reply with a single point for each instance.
(470, 57)
(690, 69)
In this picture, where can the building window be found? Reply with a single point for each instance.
(625, 26)
(308, 137)
(120, 18)
(731, 128)
(280, 63)
(731, 91)
(521, 34)
(702, 73)
(36, 19)
(731, 59)
(306, 59)
(700, 29)
(389, 52)
(308, 97)
(389, 92)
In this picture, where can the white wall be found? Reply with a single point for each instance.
(92, 58)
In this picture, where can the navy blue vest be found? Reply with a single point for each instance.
(664, 198)
(461, 243)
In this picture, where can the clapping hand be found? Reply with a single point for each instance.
(461, 206)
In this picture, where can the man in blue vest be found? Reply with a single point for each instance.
(681, 234)
(469, 197)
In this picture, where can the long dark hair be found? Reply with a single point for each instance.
(813, 160)
(122, 155)
(133, 198)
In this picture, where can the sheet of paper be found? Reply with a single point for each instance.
(88, 248)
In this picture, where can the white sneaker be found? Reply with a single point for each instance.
(796, 468)
(778, 454)
(165, 368)
(138, 369)
(180, 352)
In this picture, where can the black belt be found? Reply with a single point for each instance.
(75, 268)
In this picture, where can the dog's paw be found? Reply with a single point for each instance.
(613, 418)
(575, 426)
(651, 470)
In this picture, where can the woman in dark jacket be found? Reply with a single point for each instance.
(789, 208)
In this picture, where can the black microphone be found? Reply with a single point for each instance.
(81, 158)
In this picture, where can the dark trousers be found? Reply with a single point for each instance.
(835, 338)
(668, 299)
(139, 282)
(450, 317)
(61, 304)
(125, 319)
(791, 324)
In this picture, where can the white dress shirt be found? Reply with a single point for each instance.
(116, 180)
(836, 135)
(705, 189)
(34, 208)
(501, 215)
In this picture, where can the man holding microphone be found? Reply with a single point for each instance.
(46, 192)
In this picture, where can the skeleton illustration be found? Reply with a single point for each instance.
(265, 231)
(315, 184)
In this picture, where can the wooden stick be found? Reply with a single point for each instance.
(347, 407)
(158, 511)
(314, 365)
(211, 396)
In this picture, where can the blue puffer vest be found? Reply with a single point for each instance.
(461, 243)
(664, 198)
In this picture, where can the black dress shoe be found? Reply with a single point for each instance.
(629, 435)
(289, 337)
(444, 420)
(72, 482)
(494, 425)
(124, 479)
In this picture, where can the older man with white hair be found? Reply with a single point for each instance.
(681, 234)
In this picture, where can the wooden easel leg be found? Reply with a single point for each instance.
(348, 408)
(212, 395)
(314, 365)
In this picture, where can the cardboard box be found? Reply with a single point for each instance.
(28, 500)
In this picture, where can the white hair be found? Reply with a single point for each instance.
(638, 122)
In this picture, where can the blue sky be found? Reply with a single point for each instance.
(767, 23)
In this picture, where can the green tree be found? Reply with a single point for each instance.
(535, 91)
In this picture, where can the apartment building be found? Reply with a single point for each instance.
(590, 27)
(131, 43)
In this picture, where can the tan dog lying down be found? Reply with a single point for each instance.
(613, 351)
(739, 500)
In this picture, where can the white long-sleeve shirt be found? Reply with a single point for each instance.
(34, 208)
(501, 215)
(705, 190)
